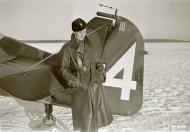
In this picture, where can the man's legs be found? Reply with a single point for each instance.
(49, 119)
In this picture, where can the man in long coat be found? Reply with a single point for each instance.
(84, 75)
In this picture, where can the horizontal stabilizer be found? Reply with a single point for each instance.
(31, 84)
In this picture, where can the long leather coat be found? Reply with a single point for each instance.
(90, 109)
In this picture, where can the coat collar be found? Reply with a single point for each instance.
(74, 41)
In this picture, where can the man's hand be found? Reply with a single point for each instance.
(100, 67)
(1, 35)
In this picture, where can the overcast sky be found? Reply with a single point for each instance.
(51, 19)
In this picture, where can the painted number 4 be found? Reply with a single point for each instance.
(125, 63)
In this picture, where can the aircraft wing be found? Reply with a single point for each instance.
(20, 76)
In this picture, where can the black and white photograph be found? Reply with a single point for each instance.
(94, 66)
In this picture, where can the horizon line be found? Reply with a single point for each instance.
(64, 41)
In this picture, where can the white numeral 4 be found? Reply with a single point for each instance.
(126, 84)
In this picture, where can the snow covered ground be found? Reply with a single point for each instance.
(166, 102)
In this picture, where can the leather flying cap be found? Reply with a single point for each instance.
(78, 25)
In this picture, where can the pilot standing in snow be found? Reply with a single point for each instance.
(84, 75)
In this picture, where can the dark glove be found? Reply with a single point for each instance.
(100, 67)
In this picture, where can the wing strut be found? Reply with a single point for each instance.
(36, 64)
